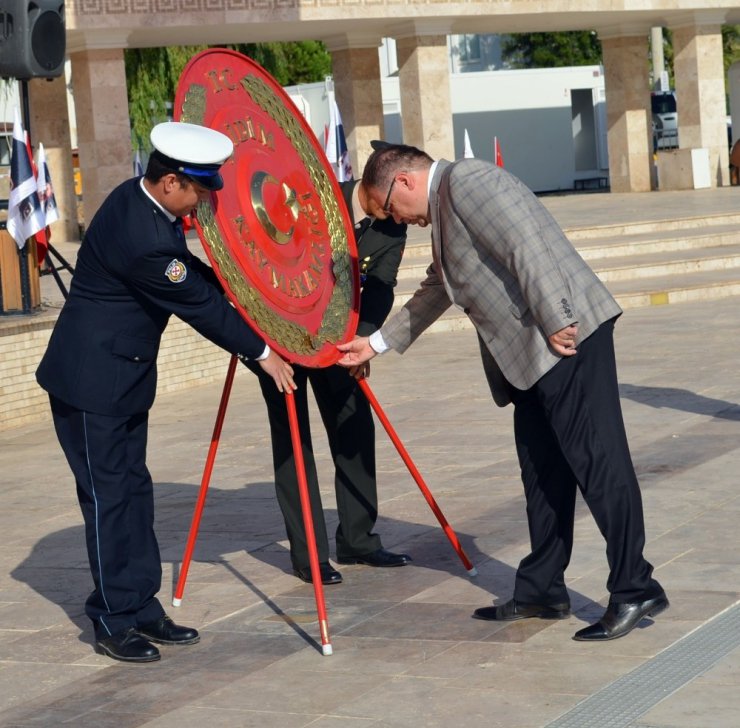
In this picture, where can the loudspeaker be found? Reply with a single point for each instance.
(32, 38)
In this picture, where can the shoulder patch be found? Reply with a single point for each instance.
(176, 271)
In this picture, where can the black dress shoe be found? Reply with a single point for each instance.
(621, 619)
(381, 557)
(166, 632)
(128, 646)
(329, 575)
(513, 610)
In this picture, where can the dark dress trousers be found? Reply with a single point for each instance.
(345, 413)
(133, 272)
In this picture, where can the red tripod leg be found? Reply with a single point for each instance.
(205, 481)
(451, 535)
(313, 557)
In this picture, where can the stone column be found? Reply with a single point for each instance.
(49, 125)
(700, 95)
(424, 82)
(628, 112)
(657, 55)
(103, 129)
(356, 74)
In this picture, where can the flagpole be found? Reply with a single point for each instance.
(23, 252)
(25, 107)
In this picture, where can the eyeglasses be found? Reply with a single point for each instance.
(387, 203)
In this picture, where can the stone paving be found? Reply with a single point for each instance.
(406, 651)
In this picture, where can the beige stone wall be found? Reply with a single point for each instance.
(103, 131)
(49, 126)
(185, 360)
(424, 80)
(628, 113)
(22, 401)
(700, 92)
(356, 73)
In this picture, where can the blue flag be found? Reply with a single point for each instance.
(138, 169)
(336, 143)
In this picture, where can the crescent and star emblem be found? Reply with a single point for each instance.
(290, 205)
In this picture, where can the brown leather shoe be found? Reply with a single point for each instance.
(513, 610)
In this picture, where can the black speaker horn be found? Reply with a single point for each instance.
(32, 39)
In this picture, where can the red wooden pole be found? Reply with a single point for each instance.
(313, 557)
(451, 535)
(204, 483)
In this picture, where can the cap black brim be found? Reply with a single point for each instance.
(213, 182)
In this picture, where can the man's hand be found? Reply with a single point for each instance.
(280, 371)
(564, 341)
(361, 371)
(356, 352)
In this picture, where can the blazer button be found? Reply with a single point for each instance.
(137, 358)
(466, 311)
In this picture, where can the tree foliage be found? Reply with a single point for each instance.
(291, 63)
(552, 50)
(730, 44)
(152, 75)
(582, 48)
(151, 80)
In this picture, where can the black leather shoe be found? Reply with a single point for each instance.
(329, 575)
(513, 610)
(621, 619)
(166, 632)
(381, 557)
(128, 646)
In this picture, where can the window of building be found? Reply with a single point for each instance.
(469, 48)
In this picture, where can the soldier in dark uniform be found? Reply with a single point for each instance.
(133, 272)
(346, 416)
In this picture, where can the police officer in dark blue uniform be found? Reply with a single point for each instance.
(133, 272)
(346, 415)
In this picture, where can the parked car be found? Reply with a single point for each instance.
(665, 120)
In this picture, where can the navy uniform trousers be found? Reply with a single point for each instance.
(570, 434)
(107, 456)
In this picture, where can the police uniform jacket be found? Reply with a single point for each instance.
(133, 272)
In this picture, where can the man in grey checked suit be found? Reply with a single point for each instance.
(545, 328)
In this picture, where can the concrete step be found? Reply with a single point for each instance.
(705, 285)
(657, 291)
(634, 258)
(668, 263)
(592, 232)
(658, 242)
(616, 244)
(643, 263)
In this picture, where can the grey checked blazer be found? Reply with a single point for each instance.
(505, 261)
